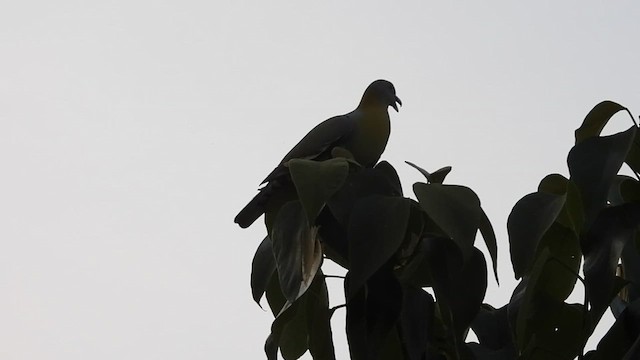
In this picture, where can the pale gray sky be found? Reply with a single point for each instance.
(131, 132)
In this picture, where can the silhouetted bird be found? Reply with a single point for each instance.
(364, 132)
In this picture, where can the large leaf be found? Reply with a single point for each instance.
(302, 325)
(530, 218)
(388, 171)
(416, 321)
(614, 227)
(318, 321)
(489, 236)
(596, 119)
(572, 214)
(459, 288)
(620, 342)
(377, 229)
(372, 312)
(455, 209)
(297, 250)
(631, 268)
(359, 184)
(544, 323)
(560, 273)
(633, 157)
(491, 326)
(593, 165)
(317, 181)
(262, 268)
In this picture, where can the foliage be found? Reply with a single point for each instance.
(394, 247)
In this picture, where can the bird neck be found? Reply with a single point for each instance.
(369, 103)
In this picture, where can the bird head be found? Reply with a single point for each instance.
(381, 93)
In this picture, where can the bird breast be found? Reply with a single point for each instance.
(371, 138)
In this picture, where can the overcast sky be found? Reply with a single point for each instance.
(131, 132)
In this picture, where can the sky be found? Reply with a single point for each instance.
(131, 133)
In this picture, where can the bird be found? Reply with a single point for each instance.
(363, 133)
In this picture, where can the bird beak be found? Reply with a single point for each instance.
(394, 105)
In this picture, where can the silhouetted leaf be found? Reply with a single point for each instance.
(275, 298)
(602, 248)
(377, 228)
(481, 352)
(294, 338)
(593, 165)
(527, 299)
(560, 273)
(333, 236)
(544, 323)
(296, 249)
(317, 181)
(620, 342)
(486, 229)
(530, 218)
(262, 268)
(633, 156)
(372, 313)
(455, 209)
(459, 288)
(631, 267)
(359, 184)
(415, 321)
(572, 214)
(491, 326)
(318, 321)
(422, 171)
(436, 177)
(391, 175)
(416, 270)
(302, 325)
(596, 119)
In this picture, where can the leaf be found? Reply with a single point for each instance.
(593, 165)
(422, 171)
(372, 313)
(297, 250)
(262, 268)
(527, 306)
(385, 169)
(614, 227)
(490, 240)
(596, 119)
(560, 273)
(302, 325)
(437, 177)
(455, 209)
(620, 342)
(377, 229)
(633, 157)
(359, 184)
(318, 321)
(480, 352)
(530, 218)
(491, 326)
(416, 321)
(459, 288)
(571, 216)
(631, 266)
(545, 323)
(317, 181)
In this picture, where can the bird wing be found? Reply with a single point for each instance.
(319, 141)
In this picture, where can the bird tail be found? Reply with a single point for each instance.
(251, 212)
(255, 208)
